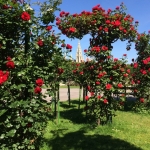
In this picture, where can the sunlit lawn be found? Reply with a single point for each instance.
(129, 131)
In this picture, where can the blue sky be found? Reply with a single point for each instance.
(138, 9)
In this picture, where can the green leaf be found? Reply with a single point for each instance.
(30, 119)
(9, 125)
(2, 112)
(4, 42)
(11, 133)
(2, 136)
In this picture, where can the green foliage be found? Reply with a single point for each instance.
(28, 52)
(141, 74)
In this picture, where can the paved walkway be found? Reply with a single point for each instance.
(74, 94)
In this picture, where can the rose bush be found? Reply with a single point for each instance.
(104, 27)
(141, 74)
(29, 58)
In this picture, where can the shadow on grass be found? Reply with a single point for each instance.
(80, 141)
(73, 103)
(72, 112)
(75, 115)
(65, 105)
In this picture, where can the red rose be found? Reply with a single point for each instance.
(105, 101)
(142, 100)
(9, 58)
(128, 70)
(117, 23)
(92, 93)
(117, 8)
(72, 29)
(68, 46)
(60, 71)
(97, 83)
(96, 49)
(122, 69)
(81, 73)
(57, 19)
(5, 7)
(107, 21)
(135, 65)
(3, 77)
(124, 31)
(135, 90)
(25, 16)
(108, 86)
(85, 50)
(67, 14)
(125, 75)
(138, 81)
(37, 90)
(48, 28)
(115, 59)
(40, 43)
(39, 82)
(98, 96)
(120, 85)
(95, 8)
(106, 29)
(100, 75)
(74, 15)
(111, 78)
(121, 28)
(86, 98)
(125, 55)
(58, 22)
(88, 88)
(143, 71)
(145, 61)
(93, 22)
(100, 28)
(74, 71)
(148, 59)
(104, 48)
(132, 82)
(108, 57)
(109, 11)
(10, 64)
(62, 14)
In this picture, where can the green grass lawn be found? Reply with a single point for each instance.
(129, 131)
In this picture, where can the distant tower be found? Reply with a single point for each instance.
(79, 57)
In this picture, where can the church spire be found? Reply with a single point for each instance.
(79, 57)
